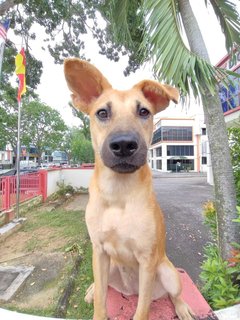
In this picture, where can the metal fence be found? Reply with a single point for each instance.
(31, 185)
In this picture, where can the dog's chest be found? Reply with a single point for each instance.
(124, 234)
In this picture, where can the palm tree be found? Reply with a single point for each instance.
(191, 71)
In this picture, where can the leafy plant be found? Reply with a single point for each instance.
(218, 287)
(235, 260)
(221, 279)
(234, 143)
(75, 248)
(64, 189)
(210, 218)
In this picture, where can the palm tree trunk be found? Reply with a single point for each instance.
(225, 196)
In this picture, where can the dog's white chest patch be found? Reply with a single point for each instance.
(120, 234)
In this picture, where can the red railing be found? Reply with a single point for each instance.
(31, 185)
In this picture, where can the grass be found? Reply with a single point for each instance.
(65, 231)
(78, 308)
(69, 225)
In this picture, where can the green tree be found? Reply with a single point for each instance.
(189, 70)
(85, 122)
(64, 23)
(66, 143)
(81, 148)
(234, 142)
(42, 126)
(8, 118)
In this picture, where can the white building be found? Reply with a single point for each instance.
(6, 157)
(179, 144)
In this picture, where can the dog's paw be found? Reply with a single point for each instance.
(89, 294)
(184, 312)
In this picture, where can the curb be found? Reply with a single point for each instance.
(230, 313)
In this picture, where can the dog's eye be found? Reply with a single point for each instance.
(143, 112)
(102, 114)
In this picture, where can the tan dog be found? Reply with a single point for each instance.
(124, 220)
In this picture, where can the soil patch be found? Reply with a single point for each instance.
(78, 202)
(50, 242)
(41, 288)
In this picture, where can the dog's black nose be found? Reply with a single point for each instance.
(123, 145)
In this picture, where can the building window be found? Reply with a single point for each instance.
(152, 162)
(180, 165)
(204, 131)
(151, 153)
(157, 135)
(159, 164)
(159, 152)
(230, 97)
(204, 160)
(204, 147)
(172, 134)
(177, 133)
(180, 151)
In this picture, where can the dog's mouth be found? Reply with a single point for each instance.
(124, 167)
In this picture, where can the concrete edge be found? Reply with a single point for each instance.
(11, 227)
(13, 315)
(230, 313)
(23, 274)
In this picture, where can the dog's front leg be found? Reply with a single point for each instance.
(101, 263)
(147, 275)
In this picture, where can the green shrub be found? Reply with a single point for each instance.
(218, 287)
(235, 260)
(220, 279)
(64, 189)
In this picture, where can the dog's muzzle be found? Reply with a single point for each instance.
(124, 152)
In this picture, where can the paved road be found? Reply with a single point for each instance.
(181, 198)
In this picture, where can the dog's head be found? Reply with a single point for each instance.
(121, 121)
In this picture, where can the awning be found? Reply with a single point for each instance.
(178, 158)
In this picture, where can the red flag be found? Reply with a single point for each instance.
(20, 62)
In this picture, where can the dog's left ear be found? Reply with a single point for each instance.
(159, 95)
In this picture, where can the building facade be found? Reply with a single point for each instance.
(179, 144)
(230, 97)
(6, 158)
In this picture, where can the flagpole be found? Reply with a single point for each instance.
(2, 46)
(20, 62)
(18, 160)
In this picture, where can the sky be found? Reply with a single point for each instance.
(54, 91)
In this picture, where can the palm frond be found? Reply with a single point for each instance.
(174, 63)
(229, 20)
(119, 20)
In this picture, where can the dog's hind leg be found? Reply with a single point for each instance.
(170, 280)
(89, 294)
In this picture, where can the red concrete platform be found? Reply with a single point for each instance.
(121, 307)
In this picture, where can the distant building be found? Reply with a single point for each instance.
(59, 157)
(179, 144)
(230, 97)
(29, 154)
(6, 157)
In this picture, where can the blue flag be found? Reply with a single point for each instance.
(3, 29)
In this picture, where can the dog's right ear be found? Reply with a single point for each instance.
(85, 81)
